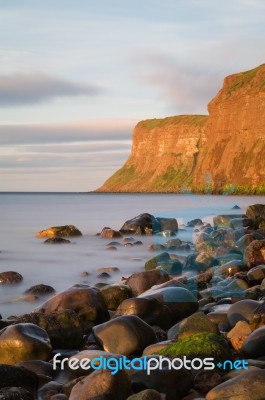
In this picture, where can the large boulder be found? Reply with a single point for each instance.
(255, 253)
(115, 294)
(125, 335)
(142, 281)
(242, 310)
(154, 262)
(147, 224)
(85, 300)
(23, 342)
(254, 345)
(196, 323)
(257, 213)
(102, 385)
(12, 375)
(59, 231)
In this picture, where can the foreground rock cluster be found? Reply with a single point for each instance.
(192, 300)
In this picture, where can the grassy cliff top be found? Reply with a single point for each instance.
(254, 78)
(198, 120)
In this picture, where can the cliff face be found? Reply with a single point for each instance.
(222, 152)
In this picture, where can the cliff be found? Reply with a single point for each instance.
(222, 152)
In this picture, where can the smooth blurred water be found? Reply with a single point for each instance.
(24, 214)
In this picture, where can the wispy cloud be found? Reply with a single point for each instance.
(28, 89)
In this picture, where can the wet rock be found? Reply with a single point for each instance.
(246, 386)
(59, 231)
(115, 294)
(168, 224)
(22, 342)
(206, 380)
(108, 233)
(102, 385)
(171, 268)
(49, 389)
(254, 345)
(258, 318)
(174, 384)
(111, 248)
(155, 261)
(238, 223)
(19, 377)
(196, 323)
(255, 253)
(173, 243)
(156, 348)
(224, 220)
(15, 393)
(143, 224)
(64, 328)
(149, 310)
(103, 275)
(148, 394)
(180, 301)
(56, 240)
(239, 334)
(85, 300)
(40, 290)
(142, 281)
(256, 274)
(242, 310)
(257, 213)
(136, 335)
(10, 277)
(43, 369)
(194, 222)
(204, 243)
(156, 247)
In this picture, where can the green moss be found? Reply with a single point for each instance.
(198, 345)
(199, 120)
(243, 79)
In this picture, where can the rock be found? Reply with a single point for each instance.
(255, 253)
(19, 377)
(56, 240)
(49, 390)
(64, 328)
(239, 334)
(59, 231)
(166, 233)
(173, 243)
(155, 348)
(85, 300)
(108, 233)
(224, 220)
(142, 281)
(143, 224)
(102, 385)
(242, 310)
(196, 323)
(204, 243)
(40, 290)
(247, 386)
(257, 213)
(174, 384)
(258, 318)
(43, 369)
(199, 345)
(171, 268)
(194, 222)
(125, 335)
(168, 224)
(15, 393)
(148, 394)
(206, 380)
(10, 277)
(103, 275)
(256, 274)
(59, 396)
(156, 247)
(108, 269)
(23, 342)
(254, 345)
(149, 310)
(180, 301)
(155, 261)
(115, 294)
(238, 223)
(236, 207)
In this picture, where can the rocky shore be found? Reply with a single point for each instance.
(199, 305)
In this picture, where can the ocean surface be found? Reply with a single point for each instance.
(22, 215)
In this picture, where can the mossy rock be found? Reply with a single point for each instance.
(199, 345)
(155, 261)
(171, 268)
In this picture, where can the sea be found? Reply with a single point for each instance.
(22, 215)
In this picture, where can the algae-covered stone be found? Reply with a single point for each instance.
(60, 231)
(115, 294)
(196, 323)
(23, 342)
(199, 345)
(155, 261)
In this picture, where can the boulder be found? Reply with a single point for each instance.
(257, 213)
(255, 253)
(108, 233)
(12, 375)
(155, 261)
(149, 310)
(242, 310)
(86, 301)
(196, 323)
(23, 342)
(125, 335)
(10, 277)
(56, 240)
(258, 318)
(224, 220)
(173, 267)
(114, 295)
(15, 393)
(239, 334)
(142, 281)
(40, 290)
(249, 385)
(143, 224)
(254, 345)
(102, 385)
(59, 231)
(206, 380)
(256, 274)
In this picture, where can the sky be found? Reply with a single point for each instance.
(77, 75)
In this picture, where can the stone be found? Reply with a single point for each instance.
(155, 261)
(196, 323)
(15, 376)
(15, 393)
(238, 223)
(168, 224)
(206, 380)
(86, 301)
(257, 213)
(56, 240)
(194, 222)
(48, 390)
(23, 342)
(148, 394)
(239, 334)
(156, 247)
(171, 268)
(249, 385)
(205, 243)
(10, 277)
(108, 233)
(143, 224)
(114, 295)
(254, 345)
(142, 281)
(224, 220)
(59, 231)
(156, 347)
(255, 253)
(149, 310)
(173, 243)
(258, 318)
(40, 290)
(102, 385)
(256, 274)
(180, 301)
(125, 335)
(242, 310)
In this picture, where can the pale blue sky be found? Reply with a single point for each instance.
(76, 76)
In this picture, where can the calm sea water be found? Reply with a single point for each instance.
(24, 214)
